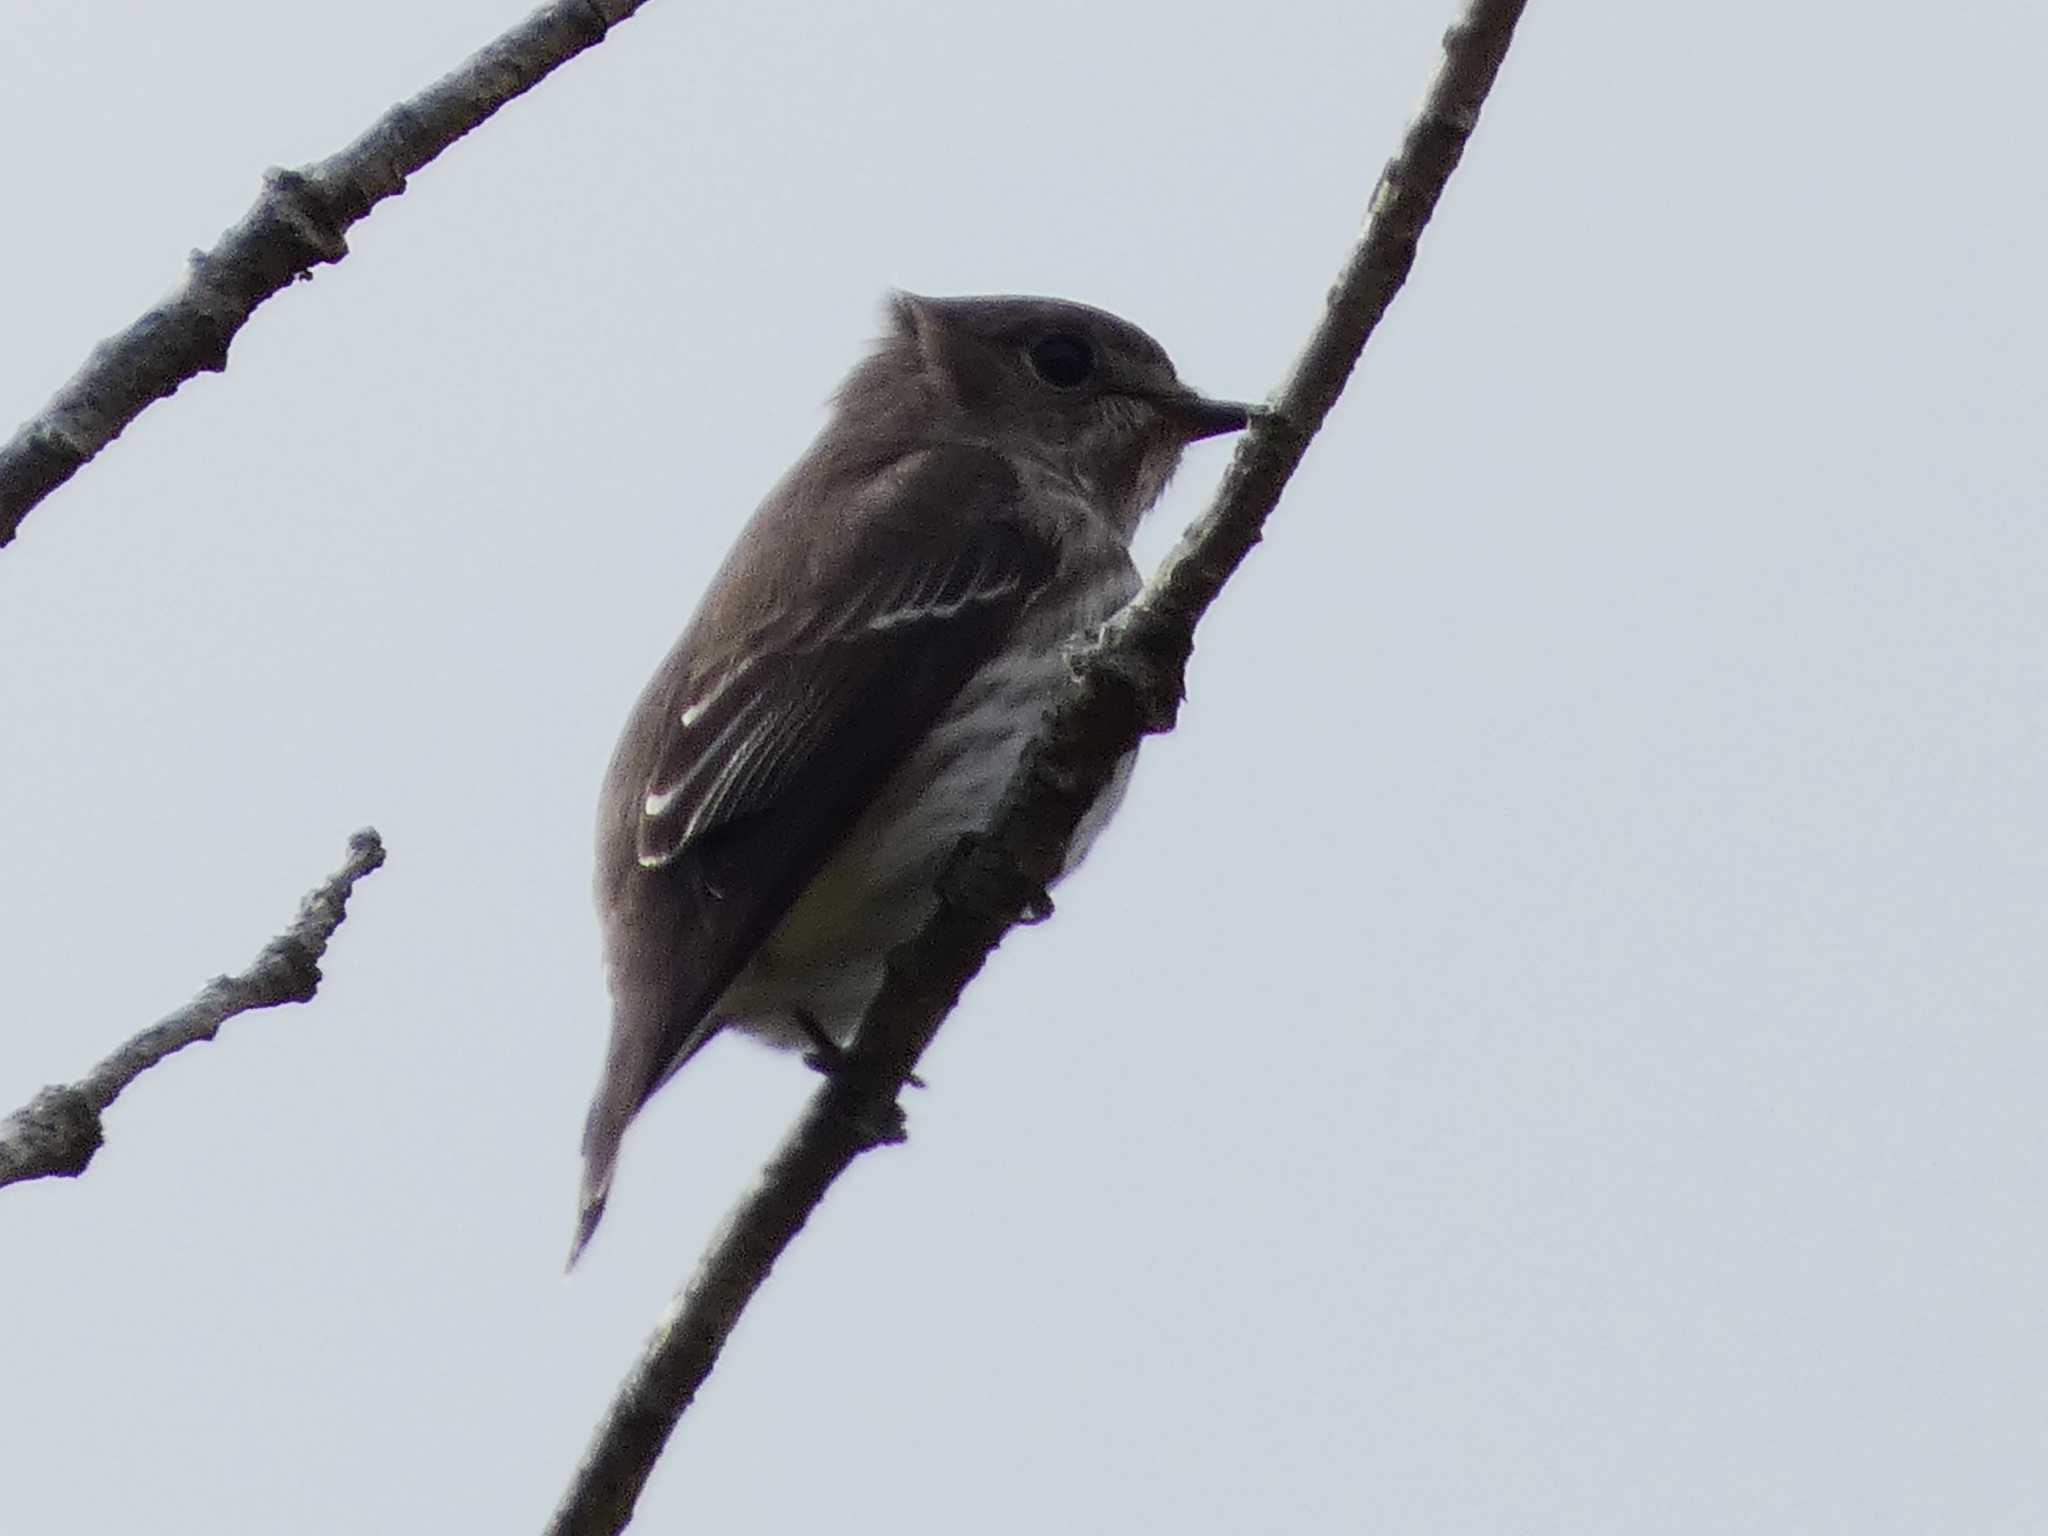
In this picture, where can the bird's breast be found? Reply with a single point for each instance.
(876, 890)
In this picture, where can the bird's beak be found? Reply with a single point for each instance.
(1198, 416)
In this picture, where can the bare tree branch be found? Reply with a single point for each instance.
(56, 1133)
(1126, 683)
(300, 220)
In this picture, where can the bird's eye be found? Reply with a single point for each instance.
(1062, 359)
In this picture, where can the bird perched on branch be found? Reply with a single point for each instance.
(860, 681)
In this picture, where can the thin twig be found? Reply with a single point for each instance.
(56, 1133)
(1126, 684)
(300, 220)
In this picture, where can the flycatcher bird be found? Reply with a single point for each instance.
(860, 681)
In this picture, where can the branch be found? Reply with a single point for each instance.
(300, 220)
(56, 1133)
(1127, 683)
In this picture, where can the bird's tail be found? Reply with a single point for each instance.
(644, 1052)
(586, 1223)
(601, 1136)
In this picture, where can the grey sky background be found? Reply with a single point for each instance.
(1554, 1042)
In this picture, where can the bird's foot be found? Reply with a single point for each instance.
(827, 1057)
(981, 876)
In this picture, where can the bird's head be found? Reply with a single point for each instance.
(1069, 387)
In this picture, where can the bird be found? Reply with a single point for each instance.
(860, 679)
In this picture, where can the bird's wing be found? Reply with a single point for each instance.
(757, 757)
(868, 676)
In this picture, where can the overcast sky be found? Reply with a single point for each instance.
(1554, 1043)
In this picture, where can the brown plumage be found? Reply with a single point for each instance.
(862, 675)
